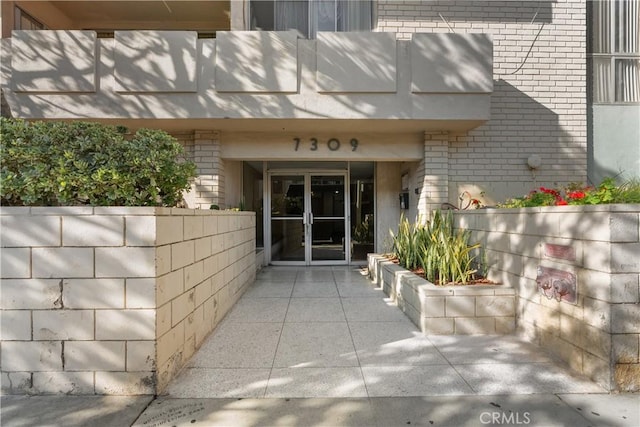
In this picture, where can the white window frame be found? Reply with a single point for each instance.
(613, 56)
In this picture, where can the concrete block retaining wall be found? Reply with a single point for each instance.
(446, 310)
(111, 300)
(595, 247)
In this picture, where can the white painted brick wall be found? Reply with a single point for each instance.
(433, 173)
(538, 106)
(210, 182)
(122, 313)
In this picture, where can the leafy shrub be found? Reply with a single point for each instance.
(578, 194)
(81, 163)
(444, 254)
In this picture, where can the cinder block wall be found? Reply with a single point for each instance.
(204, 261)
(114, 300)
(446, 310)
(599, 335)
(539, 101)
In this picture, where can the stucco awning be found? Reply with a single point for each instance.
(262, 80)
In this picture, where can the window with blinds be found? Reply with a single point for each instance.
(311, 16)
(614, 51)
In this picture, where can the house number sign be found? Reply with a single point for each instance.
(333, 144)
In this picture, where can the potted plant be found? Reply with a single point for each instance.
(362, 239)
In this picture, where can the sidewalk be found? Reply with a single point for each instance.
(547, 410)
(321, 346)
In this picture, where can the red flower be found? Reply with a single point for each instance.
(576, 195)
(550, 191)
(561, 202)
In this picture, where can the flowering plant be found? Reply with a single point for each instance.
(579, 194)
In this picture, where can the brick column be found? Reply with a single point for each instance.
(434, 173)
(209, 185)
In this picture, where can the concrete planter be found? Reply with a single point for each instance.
(114, 300)
(446, 310)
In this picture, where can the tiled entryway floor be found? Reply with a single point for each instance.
(328, 332)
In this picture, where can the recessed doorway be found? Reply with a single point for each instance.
(308, 217)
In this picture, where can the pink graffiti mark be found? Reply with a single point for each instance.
(564, 252)
(557, 284)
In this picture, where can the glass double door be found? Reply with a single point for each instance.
(308, 218)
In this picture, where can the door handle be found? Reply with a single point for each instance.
(311, 218)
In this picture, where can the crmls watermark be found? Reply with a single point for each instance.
(499, 418)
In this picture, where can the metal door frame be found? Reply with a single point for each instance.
(307, 216)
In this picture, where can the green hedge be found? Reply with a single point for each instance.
(81, 163)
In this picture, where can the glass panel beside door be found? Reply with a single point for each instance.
(308, 219)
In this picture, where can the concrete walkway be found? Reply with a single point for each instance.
(327, 332)
(322, 346)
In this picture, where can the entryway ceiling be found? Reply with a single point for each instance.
(111, 15)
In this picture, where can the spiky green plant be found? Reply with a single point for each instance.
(407, 243)
(628, 192)
(447, 257)
(443, 253)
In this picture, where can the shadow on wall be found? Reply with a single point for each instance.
(600, 330)
(5, 110)
(176, 76)
(520, 126)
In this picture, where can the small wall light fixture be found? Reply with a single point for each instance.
(534, 161)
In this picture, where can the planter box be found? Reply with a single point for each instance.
(446, 310)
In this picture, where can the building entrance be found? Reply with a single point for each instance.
(308, 217)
